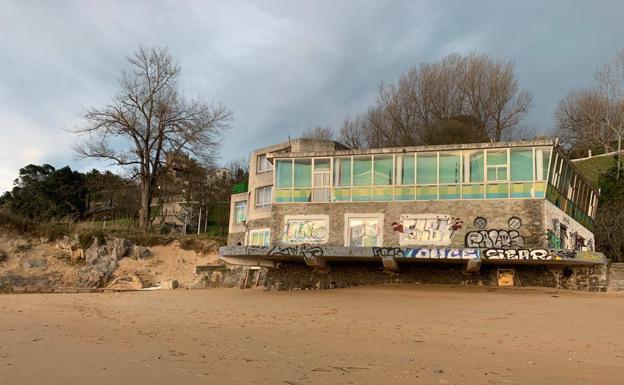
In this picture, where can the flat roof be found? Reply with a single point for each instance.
(442, 147)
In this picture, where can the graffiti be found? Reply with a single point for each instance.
(559, 237)
(305, 230)
(518, 254)
(426, 253)
(429, 229)
(303, 250)
(363, 232)
(495, 237)
(529, 254)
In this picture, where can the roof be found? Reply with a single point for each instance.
(443, 147)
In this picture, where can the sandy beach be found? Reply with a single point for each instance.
(373, 335)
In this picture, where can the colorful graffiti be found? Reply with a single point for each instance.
(426, 253)
(484, 238)
(364, 232)
(306, 230)
(426, 229)
(528, 254)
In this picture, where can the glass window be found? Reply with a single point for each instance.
(283, 173)
(322, 164)
(542, 158)
(240, 211)
(383, 170)
(427, 168)
(521, 164)
(260, 237)
(263, 196)
(449, 167)
(362, 171)
(496, 165)
(473, 166)
(404, 174)
(263, 164)
(303, 173)
(342, 171)
(364, 232)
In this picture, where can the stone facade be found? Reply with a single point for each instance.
(497, 214)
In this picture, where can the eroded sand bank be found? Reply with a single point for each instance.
(374, 335)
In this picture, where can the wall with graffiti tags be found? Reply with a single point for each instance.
(563, 232)
(426, 229)
(426, 223)
(305, 229)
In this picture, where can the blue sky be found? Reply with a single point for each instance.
(280, 66)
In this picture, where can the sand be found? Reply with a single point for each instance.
(374, 335)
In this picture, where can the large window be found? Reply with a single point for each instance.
(283, 173)
(240, 211)
(362, 171)
(263, 196)
(496, 165)
(263, 164)
(383, 170)
(342, 171)
(427, 168)
(259, 237)
(303, 173)
(363, 230)
(404, 169)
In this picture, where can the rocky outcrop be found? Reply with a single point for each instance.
(101, 261)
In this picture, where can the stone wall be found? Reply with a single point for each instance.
(295, 277)
(493, 214)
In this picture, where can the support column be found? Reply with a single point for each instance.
(389, 263)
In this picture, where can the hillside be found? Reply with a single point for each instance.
(593, 167)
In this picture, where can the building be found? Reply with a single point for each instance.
(519, 203)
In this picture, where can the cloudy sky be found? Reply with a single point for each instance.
(281, 66)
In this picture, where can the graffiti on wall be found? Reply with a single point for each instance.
(527, 254)
(364, 232)
(426, 229)
(561, 236)
(306, 229)
(303, 250)
(426, 253)
(488, 238)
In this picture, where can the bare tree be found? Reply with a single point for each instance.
(319, 133)
(473, 92)
(594, 118)
(148, 121)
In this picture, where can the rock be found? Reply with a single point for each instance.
(169, 284)
(3, 256)
(140, 252)
(21, 248)
(34, 264)
(130, 282)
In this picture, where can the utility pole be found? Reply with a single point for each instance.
(199, 221)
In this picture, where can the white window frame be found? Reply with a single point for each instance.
(259, 163)
(257, 193)
(237, 206)
(265, 230)
(347, 225)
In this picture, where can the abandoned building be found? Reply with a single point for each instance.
(468, 213)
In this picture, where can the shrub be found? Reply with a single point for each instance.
(86, 238)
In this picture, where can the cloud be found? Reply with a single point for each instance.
(281, 66)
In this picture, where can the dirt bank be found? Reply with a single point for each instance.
(376, 335)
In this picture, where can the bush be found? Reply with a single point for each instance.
(54, 231)
(13, 222)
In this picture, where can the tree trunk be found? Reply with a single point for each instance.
(146, 203)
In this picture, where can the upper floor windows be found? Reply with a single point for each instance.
(263, 196)
(263, 164)
(240, 211)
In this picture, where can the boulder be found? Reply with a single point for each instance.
(101, 261)
(3, 256)
(169, 284)
(140, 252)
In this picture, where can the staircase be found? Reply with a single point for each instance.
(616, 277)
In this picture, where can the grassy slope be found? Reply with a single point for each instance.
(592, 168)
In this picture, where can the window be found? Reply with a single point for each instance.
(497, 165)
(521, 164)
(263, 164)
(427, 168)
(259, 237)
(321, 180)
(473, 166)
(362, 171)
(450, 171)
(240, 211)
(283, 173)
(303, 173)
(263, 196)
(404, 174)
(383, 170)
(342, 172)
(363, 230)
